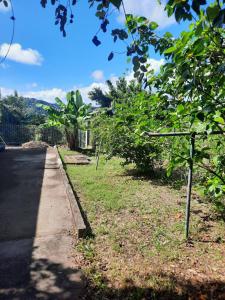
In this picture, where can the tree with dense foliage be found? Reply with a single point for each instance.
(118, 134)
(100, 97)
(116, 92)
(70, 115)
(18, 110)
(191, 85)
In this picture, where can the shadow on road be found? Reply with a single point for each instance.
(21, 176)
(62, 283)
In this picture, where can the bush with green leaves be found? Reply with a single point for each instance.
(120, 134)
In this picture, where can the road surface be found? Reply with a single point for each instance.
(36, 229)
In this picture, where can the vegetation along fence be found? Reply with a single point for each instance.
(18, 134)
(191, 164)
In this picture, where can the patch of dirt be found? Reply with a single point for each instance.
(77, 159)
(138, 250)
(35, 145)
(144, 243)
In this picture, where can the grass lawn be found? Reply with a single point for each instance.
(138, 250)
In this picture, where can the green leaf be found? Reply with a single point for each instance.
(199, 28)
(196, 6)
(153, 25)
(143, 60)
(116, 3)
(143, 68)
(135, 61)
(69, 96)
(219, 20)
(219, 120)
(170, 50)
(59, 102)
(212, 12)
(169, 169)
(200, 115)
(79, 101)
(198, 47)
(180, 108)
(142, 19)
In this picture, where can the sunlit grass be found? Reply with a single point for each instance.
(138, 227)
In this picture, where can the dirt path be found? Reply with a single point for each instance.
(36, 226)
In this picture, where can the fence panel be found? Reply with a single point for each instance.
(18, 134)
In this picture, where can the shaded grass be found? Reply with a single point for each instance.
(139, 234)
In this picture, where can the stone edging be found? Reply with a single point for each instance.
(77, 216)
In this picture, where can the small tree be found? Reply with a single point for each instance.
(71, 115)
(120, 134)
(116, 92)
(100, 97)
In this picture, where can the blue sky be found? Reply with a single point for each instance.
(43, 64)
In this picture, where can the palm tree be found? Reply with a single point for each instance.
(70, 115)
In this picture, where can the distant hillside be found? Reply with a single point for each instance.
(20, 110)
(32, 105)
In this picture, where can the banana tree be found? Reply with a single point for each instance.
(70, 115)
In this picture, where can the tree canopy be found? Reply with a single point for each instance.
(116, 92)
(18, 110)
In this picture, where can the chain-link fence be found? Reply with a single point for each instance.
(19, 134)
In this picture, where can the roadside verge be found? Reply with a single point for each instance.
(80, 225)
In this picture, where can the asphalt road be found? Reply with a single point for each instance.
(36, 226)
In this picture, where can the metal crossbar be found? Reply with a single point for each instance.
(191, 163)
(185, 133)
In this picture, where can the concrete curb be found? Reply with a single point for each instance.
(77, 216)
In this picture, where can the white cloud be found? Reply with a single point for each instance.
(150, 9)
(50, 94)
(4, 8)
(47, 95)
(156, 64)
(6, 91)
(98, 75)
(102, 85)
(17, 53)
(86, 89)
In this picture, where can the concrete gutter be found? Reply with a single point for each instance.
(77, 215)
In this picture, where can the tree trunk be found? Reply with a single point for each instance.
(72, 138)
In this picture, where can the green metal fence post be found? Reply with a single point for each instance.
(189, 186)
